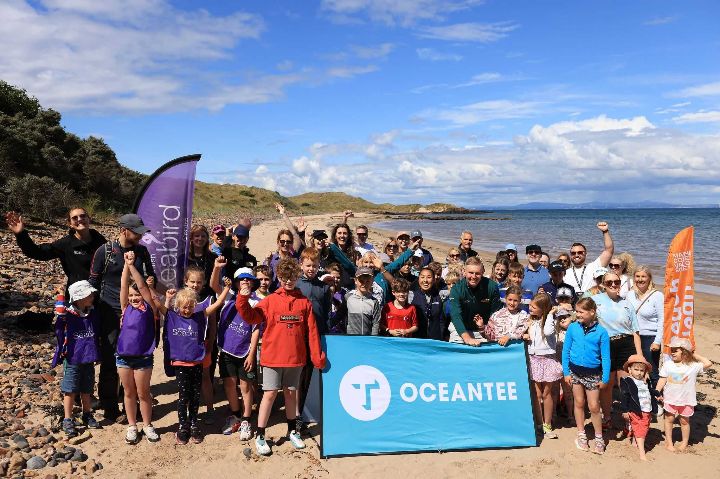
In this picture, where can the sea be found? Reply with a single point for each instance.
(644, 233)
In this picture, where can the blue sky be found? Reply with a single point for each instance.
(470, 102)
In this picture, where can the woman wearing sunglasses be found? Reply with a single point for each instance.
(75, 250)
(624, 265)
(289, 244)
(618, 317)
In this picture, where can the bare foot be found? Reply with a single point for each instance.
(682, 447)
(643, 458)
(669, 447)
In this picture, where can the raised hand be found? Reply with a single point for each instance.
(220, 262)
(244, 290)
(416, 244)
(14, 222)
(150, 281)
(170, 293)
(376, 261)
(227, 282)
(280, 208)
(129, 257)
(603, 226)
(301, 225)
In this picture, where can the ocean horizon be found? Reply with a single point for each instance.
(645, 233)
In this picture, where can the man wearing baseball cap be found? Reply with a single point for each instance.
(236, 252)
(105, 273)
(535, 274)
(427, 257)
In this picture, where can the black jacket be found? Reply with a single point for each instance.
(432, 323)
(107, 278)
(630, 401)
(237, 258)
(75, 255)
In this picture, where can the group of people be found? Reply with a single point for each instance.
(589, 325)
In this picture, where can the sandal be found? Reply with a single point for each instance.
(581, 442)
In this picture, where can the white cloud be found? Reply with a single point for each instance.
(614, 159)
(261, 170)
(132, 55)
(374, 51)
(433, 55)
(660, 21)
(350, 71)
(698, 117)
(708, 89)
(469, 32)
(483, 111)
(393, 12)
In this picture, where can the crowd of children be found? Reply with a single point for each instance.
(264, 323)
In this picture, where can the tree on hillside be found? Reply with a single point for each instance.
(36, 151)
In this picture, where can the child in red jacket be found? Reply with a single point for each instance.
(290, 324)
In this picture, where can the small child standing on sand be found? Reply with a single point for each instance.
(510, 322)
(638, 400)
(677, 384)
(76, 328)
(400, 317)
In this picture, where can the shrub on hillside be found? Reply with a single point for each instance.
(39, 197)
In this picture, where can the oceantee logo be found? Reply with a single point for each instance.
(365, 393)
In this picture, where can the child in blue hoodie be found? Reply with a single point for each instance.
(586, 366)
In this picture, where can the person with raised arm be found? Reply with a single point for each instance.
(580, 275)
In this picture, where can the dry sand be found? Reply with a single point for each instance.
(222, 456)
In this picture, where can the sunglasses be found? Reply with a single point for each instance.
(577, 253)
(392, 246)
(404, 238)
(612, 282)
(285, 242)
(535, 252)
(79, 217)
(361, 234)
(615, 265)
(454, 255)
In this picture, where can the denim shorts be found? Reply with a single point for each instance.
(78, 378)
(134, 362)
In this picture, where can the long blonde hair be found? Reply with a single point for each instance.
(651, 284)
(629, 266)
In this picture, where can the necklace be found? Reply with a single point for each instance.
(582, 275)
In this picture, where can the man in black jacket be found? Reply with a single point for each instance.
(236, 252)
(105, 274)
(74, 250)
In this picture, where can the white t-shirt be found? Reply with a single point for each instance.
(680, 387)
(643, 395)
(582, 278)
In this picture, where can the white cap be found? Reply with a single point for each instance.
(418, 253)
(80, 290)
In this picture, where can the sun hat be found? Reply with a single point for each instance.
(683, 343)
(402, 233)
(244, 273)
(637, 358)
(510, 247)
(80, 290)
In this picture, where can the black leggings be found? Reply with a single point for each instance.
(189, 381)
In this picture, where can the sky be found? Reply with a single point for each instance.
(470, 102)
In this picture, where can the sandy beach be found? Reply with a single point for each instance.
(222, 456)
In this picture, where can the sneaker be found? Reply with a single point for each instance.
(261, 446)
(599, 446)
(231, 425)
(548, 432)
(89, 421)
(245, 431)
(196, 436)
(150, 433)
(131, 435)
(296, 440)
(581, 442)
(182, 436)
(68, 427)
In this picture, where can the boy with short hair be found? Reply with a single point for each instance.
(400, 317)
(363, 310)
(290, 328)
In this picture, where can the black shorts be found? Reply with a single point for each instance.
(234, 367)
(620, 350)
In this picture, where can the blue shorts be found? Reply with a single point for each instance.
(78, 378)
(134, 362)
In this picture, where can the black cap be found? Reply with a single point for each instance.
(556, 266)
(319, 234)
(532, 247)
(133, 223)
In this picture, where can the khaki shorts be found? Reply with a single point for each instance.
(275, 379)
